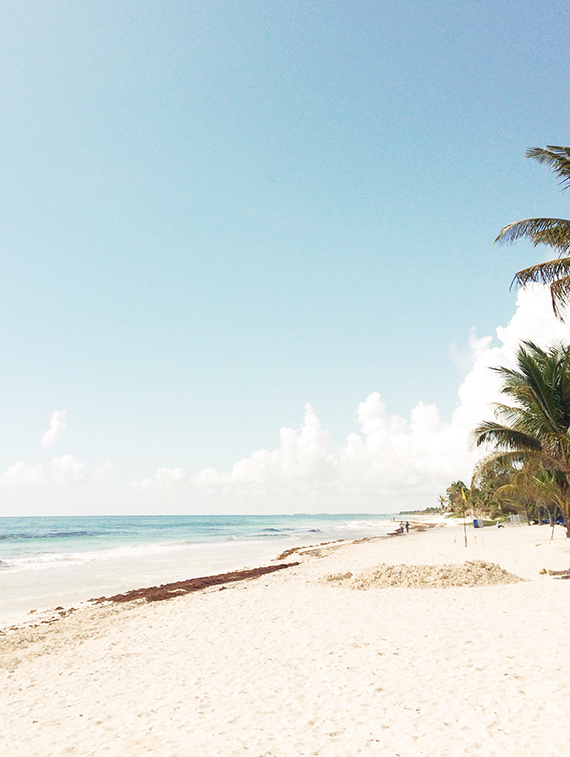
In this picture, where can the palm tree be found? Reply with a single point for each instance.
(535, 428)
(455, 496)
(487, 484)
(554, 232)
(537, 488)
(541, 488)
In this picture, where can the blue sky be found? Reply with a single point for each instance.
(215, 212)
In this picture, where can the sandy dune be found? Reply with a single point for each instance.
(293, 664)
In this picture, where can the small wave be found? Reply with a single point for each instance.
(50, 535)
(355, 525)
(276, 530)
(45, 560)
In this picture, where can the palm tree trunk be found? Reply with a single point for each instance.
(566, 515)
(526, 513)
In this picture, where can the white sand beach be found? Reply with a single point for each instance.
(293, 664)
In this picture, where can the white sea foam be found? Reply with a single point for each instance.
(362, 525)
(125, 553)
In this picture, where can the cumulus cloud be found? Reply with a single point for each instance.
(165, 477)
(67, 471)
(20, 474)
(103, 471)
(56, 426)
(391, 461)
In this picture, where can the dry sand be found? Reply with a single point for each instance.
(298, 663)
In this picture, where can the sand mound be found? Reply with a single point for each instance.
(471, 573)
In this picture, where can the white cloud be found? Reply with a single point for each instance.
(103, 472)
(67, 471)
(20, 474)
(165, 478)
(392, 462)
(56, 426)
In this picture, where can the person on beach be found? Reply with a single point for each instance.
(407, 527)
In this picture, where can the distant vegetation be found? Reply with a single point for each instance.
(527, 469)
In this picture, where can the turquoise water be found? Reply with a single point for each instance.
(50, 561)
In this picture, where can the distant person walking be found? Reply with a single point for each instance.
(407, 527)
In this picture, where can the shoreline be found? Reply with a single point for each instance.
(49, 564)
(48, 615)
(294, 663)
(45, 615)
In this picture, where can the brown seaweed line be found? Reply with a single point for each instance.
(169, 591)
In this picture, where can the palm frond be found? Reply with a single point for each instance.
(512, 491)
(555, 157)
(560, 296)
(540, 389)
(549, 490)
(503, 462)
(543, 273)
(556, 275)
(539, 418)
(536, 386)
(503, 437)
(554, 232)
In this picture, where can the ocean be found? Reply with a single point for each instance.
(51, 561)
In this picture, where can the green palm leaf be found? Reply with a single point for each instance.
(554, 232)
(555, 157)
(560, 295)
(531, 436)
(504, 437)
(544, 273)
